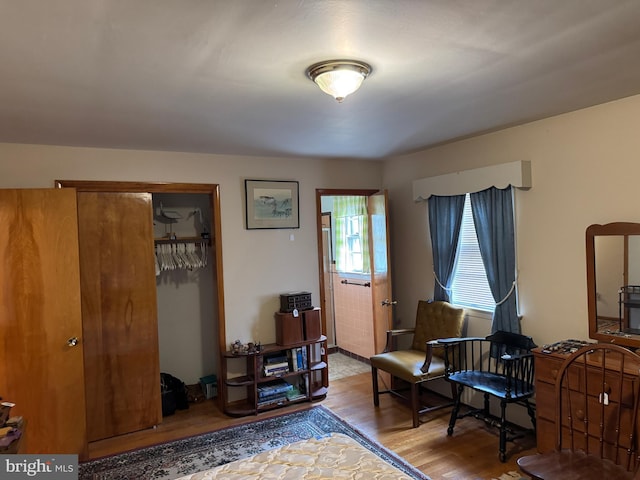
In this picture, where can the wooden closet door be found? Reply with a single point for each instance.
(40, 370)
(119, 313)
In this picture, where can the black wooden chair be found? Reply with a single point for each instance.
(597, 423)
(501, 366)
(423, 360)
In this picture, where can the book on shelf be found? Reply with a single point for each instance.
(280, 358)
(292, 357)
(276, 369)
(279, 398)
(295, 394)
(274, 400)
(274, 396)
(273, 388)
(270, 395)
(300, 355)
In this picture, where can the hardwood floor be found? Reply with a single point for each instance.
(471, 453)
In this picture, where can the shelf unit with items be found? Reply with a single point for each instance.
(275, 376)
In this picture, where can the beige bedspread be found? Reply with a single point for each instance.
(334, 457)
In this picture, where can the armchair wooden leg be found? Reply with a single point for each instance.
(455, 410)
(454, 391)
(486, 411)
(503, 431)
(415, 404)
(532, 413)
(374, 381)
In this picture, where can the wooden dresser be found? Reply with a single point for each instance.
(547, 367)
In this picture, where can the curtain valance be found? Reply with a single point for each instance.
(516, 174)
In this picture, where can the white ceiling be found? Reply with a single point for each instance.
(228, 76)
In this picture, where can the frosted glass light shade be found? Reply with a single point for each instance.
(339, 78)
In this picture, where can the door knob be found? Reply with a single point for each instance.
(387, 303)
(73, 341)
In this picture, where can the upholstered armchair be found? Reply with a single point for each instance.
(422, 361)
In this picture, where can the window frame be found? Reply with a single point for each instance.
(349, 239)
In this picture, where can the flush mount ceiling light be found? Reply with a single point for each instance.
(339, 78)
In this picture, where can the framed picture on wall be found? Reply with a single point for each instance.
(271, 204)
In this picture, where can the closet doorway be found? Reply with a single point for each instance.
(122, 322)
(355, 292)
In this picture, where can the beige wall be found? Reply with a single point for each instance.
(585, 169)
(258, 264)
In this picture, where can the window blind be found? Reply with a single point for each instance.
(470, 287)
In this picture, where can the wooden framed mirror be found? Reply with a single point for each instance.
(613, 283)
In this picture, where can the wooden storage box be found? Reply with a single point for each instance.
(288, 329)
(295, 301)
(312, 325)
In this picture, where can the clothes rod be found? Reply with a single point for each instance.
(347, 282)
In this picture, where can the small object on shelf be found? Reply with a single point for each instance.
(236, 347)
(564, 346)
(250, 348)
(8, 439)
(15, 422)
(5, 410)
(170, 214)
(295, 301)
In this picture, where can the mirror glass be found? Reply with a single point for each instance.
(613, 277)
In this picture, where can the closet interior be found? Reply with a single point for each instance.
(184, 282)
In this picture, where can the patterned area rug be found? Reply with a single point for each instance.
(175, 459)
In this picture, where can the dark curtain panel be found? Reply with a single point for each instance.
(445, 218)
(493, 217)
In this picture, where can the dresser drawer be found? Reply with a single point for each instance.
(545, 401)
(547, 368)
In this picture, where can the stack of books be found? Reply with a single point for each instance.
(276, 365)
(273, 393)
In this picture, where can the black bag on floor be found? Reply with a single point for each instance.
(174, 394)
